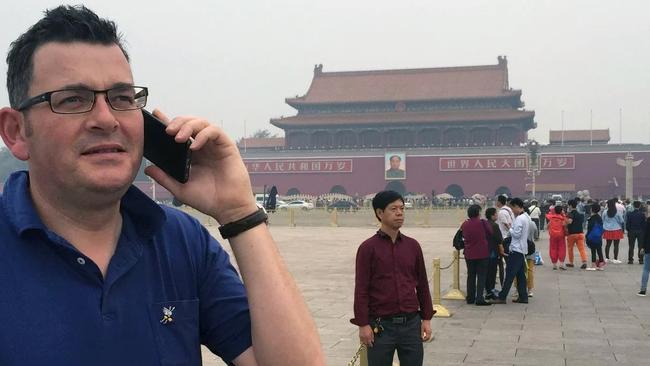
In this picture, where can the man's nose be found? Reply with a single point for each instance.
(102, 116)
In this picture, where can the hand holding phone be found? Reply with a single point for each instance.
(162, 150)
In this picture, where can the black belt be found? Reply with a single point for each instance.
(398, 318)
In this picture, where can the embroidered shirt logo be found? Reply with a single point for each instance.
(167, 315)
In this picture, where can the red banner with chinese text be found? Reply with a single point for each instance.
(505, 162)
(299, 166)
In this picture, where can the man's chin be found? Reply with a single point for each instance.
(108, 183)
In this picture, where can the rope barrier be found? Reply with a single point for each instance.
(361, 355)
(449, 265)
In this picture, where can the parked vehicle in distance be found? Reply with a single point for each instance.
(343, 206)
(408, 204)
(280, 204)
(304, 205)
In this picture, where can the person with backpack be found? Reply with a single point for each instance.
(557, 231)
(594, 238)
(516, 258)
(645, 251)
(613, 223)
(477, 253)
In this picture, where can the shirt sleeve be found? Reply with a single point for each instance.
(517, 230)
(225, 324)
(362, 286)
(424, 295)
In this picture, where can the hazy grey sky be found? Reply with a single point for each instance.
(236, 61)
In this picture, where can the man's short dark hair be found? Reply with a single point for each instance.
(65, 24)
(473, 211)
(489, 212)
(502, 199)
(517, 202)
(637, 204)
(395, 156)
(595, 208)
(573, 203)
(558, 209)
(383, 199)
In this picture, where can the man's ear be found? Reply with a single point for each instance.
(12, 130)
(378, 213)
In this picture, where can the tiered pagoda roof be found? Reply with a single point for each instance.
(430, 84)
(399, 90)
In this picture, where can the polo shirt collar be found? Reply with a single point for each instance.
(382, 234)
(18, 205)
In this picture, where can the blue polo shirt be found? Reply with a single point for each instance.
(169, 288)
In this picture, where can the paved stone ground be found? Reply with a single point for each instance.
(576, 317)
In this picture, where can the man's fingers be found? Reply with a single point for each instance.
(162, 178)
(160, 115)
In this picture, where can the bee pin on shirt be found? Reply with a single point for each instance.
(168, 313)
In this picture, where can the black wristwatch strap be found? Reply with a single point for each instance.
(235, 228)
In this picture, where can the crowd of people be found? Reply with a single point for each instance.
(507, 234)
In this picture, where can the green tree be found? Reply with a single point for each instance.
(263, 134)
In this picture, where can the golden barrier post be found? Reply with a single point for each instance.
(334, 218)
(441, 311)
(427, 213)
(455, 293)
(363, 359)
(292, 217)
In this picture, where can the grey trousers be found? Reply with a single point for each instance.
(403, 338)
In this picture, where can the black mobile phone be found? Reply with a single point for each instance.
(161, 149)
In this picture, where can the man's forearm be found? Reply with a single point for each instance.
(283, 330)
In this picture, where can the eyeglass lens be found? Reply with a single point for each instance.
(82, 100)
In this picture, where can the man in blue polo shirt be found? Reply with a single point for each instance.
(92, 272)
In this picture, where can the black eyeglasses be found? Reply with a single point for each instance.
(72, 101)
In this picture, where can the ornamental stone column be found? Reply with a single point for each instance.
(629, 165)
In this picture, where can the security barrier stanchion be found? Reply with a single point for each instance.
(441, 311)
(363, 359)
(455, 293)
(427, 212)
(334, 218)
(292, 217)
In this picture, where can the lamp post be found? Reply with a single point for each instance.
(532, 168)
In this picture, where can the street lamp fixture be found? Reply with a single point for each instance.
(533, 168)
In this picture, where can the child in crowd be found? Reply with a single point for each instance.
(594, 238)
(557, 233)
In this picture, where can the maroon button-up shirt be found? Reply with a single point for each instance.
(390, 279)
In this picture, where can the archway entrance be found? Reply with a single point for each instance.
(396, 186)
(455, 190)
(503, 191)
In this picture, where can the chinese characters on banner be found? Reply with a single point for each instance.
(299, 166)
(516, 162)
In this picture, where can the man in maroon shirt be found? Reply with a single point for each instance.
(392, 303)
